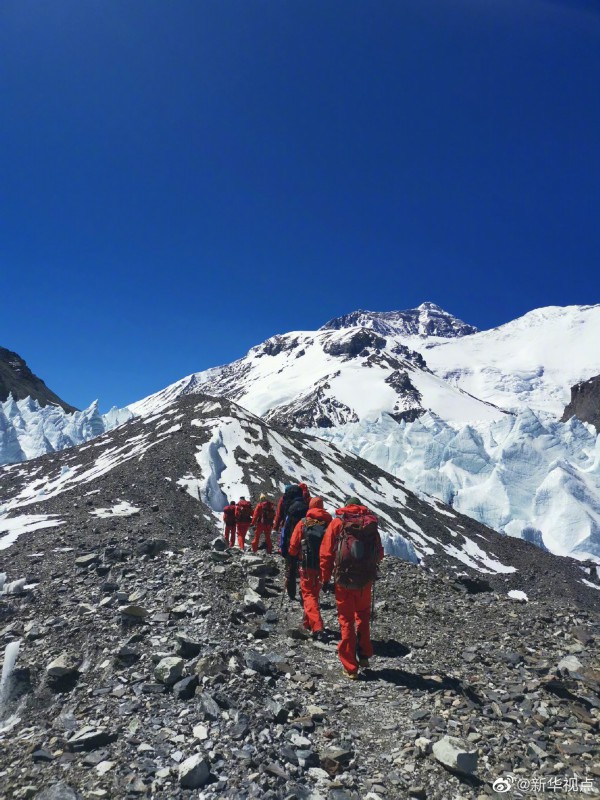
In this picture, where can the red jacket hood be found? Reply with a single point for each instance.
(356, 510)
(319, 514)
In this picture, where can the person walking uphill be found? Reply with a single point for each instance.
(243, 518)
(351, 552)
(291, 492)
(291, 509)
(262, 520)
(229, 520)
(305, 545)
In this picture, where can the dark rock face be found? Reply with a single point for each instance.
(17, 379)
(585, 402)
(426, 320)
(355, 344)
(276, 345)
(312, 410)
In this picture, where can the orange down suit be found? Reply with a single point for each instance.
(353, 605)
(262, 527)
(229, 520)
(243, 517)
(310, 582)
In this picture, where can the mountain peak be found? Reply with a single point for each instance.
(18, 380)
(426, 320)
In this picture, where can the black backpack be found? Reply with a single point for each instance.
(296, 511)
(291, 493)
(314, 531)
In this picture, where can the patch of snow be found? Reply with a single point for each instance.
(122, 509)
(11, 529)
(517, 594)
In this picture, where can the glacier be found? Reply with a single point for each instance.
(29, 430)
(526, 475)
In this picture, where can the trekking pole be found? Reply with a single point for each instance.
(373, 614)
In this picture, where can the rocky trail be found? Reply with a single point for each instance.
(152, 668)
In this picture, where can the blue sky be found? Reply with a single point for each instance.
(180, 179)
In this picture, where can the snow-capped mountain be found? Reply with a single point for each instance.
(380, 386)
(200, 450)
(28, 430)
(335, 375)
(18, 381)
(531, 362)
(398, 388)
(424, 321)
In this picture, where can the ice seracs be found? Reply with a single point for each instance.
(29, 430)
(535, 479)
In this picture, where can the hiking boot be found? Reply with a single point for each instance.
(320, 636)
(352, 676)
(363, 662)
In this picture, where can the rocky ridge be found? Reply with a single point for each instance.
(18, 380)
(428, 319)
(153, 662)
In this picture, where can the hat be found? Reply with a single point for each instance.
(353, 501)
(263, 497)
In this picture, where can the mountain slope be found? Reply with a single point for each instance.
(212, 449)
(140, 644)
(329, 377)
(18, 380)
(529, 362)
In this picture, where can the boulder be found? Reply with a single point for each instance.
(169, 670)
(219, 544)
(90, 738)
(186, 646)
(569, 664)
(185, 689)
(65, 664)
(193, 772)
(210, 665)
(258, 662)
(86, 561)
(456, 754)
(134, 611)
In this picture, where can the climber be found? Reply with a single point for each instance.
(304, 546)
(243, 518)
(262, 520)
(229, 520)
(291, 492)
(351, 552)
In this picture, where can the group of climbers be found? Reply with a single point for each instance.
(320, 547)
(240, 517)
